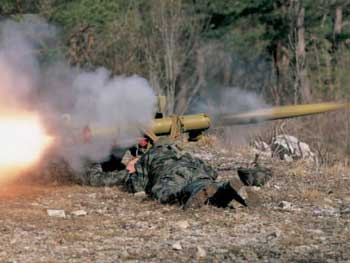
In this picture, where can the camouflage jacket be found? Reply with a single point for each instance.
(164, 161)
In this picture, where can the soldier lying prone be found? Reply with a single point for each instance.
(171, 176)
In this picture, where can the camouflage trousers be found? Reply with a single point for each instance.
(177, 187)
(93, 175)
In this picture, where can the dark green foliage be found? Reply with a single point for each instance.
(253, 38)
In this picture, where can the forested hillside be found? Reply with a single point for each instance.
(288, 51)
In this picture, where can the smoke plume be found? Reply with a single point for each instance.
(230, 100)
(66, 98)
(226, 100)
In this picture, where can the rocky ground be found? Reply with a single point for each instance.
(301, 215)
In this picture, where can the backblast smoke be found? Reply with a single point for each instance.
(67, 99)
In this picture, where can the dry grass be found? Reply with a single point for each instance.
(207, 141)
(312, 195)
(299, 167)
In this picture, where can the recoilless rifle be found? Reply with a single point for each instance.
(195, 124)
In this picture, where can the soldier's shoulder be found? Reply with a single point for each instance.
(163, 141)
(165, 148)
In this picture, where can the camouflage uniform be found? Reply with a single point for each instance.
(167, 174)
(94, 176)
(163, 173)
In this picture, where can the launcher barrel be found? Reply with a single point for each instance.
(277, 113)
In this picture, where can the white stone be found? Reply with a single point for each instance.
(140, 195)
(328, 211)
(285, 205)
(79, 213)
(183, 224)
(177, 246)
(201, 253)
(56, 213)
(125, 254)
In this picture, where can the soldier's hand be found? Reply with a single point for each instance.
(131, 165)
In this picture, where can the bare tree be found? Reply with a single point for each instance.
(338, 20)
(174, 55)
(301, 69)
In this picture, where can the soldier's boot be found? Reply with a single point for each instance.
(225, 194)
(256, 176)
(200, 196)
(219, 195)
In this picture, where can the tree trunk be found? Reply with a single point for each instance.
(340, 63)
(338, 21)
(191, 88)
(276, 91)
(302, 77)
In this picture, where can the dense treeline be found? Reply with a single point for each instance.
(288, 51)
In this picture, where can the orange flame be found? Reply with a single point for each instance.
(23, 140)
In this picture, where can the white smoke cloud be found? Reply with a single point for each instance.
(227, 100)
(230, 100)
(90, 98)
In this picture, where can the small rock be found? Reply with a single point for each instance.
(329, 211)
(272, 236)
(93, 195)
(327, 200)
(317, 232)
(285, 205)
(255, 188)
(140, 195)
(243, 192)
(56, 213)
(79, 213)
(183, 224)
(177, 246)
(201, 253)
(125, 254)
(101, 211)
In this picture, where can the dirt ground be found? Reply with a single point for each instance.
(301, 215)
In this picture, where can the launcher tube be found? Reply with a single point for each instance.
(186, 123)
(277, 113)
